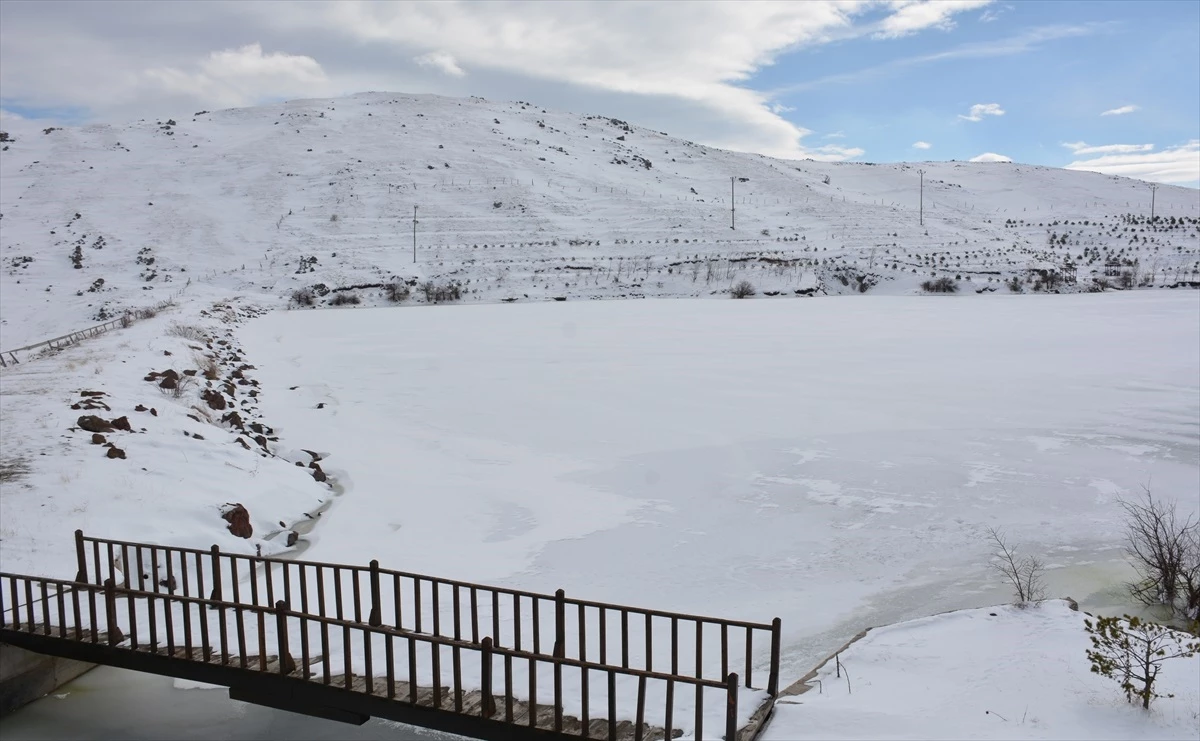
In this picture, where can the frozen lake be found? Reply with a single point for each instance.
(832, 462)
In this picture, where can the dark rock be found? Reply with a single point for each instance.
(262, 441)
(122, 423)
(92, 423)
(190, 372)
(233, 419)
(317, 473)
(168, 383)
(292, 537)
(197, 437)
(321, 405)
(168, 583)
(98, 439)
(214, 399)
(115, 452)
(153, 412)
(243, 443)
(139, 408)
(315, 456)
(76, 407)
(91, 393)
(169, 373)
(238, 519)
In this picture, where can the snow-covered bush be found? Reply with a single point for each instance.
(743, 289)
(940, 285)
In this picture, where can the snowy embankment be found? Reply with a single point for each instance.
(998, 673)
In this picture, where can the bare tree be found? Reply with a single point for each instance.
(1165, 550)
(1023, 573)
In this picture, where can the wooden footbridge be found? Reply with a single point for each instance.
(351, 642)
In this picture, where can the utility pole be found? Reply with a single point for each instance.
(1153, 190)
(922, 196)
(414, 235)
(732, 206)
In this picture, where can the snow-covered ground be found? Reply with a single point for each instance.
(1001, 672)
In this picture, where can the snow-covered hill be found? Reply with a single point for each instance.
(515, 202)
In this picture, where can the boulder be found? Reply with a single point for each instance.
(115, 452)
(317, 473)
(292, 537)
(214, 399)
(168, 383)
(122, 423)
(238, 519)
(98, 439)
(92, 423)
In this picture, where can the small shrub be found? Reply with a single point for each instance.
(1023, 574)
(182, 385)
(1014, 284)
(187, 332)
(396, 292)
(344, 298)
(940, 285)
(303, 297)
(743, 289)
(333, 218)
(438, 294)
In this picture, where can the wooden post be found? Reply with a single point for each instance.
(731, 706)
(80, 558)
(773, 678)
(560, 624)
(488, 707)
(286, 664)
(375, 618)
(115, 635)
(216, 573)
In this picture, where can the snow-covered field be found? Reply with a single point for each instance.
(996, 673)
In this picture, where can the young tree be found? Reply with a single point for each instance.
(1131, 652)
(1165, 550)
(1024, 573)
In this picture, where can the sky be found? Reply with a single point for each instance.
(1112, 86)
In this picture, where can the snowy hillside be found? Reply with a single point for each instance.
(517, 203)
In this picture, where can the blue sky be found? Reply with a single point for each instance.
(860, 80)
(1068, 63)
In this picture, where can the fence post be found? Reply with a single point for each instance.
(216, 573)
(488, 707)
(115, 635)
(374, 618)
(80, 558)
(731, 706)
(286, 664)
(773, 679)
(560, 624)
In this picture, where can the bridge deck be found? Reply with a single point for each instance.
(337, 657)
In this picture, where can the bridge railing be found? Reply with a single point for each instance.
(555, 624)
(509, 685)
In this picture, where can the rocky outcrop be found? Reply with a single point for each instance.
(238, 519)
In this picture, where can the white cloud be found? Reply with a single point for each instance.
(234, 77)
(1083, 148)
(1178, 164)
(442, 61)
(9, 116)
(1120, 111)
(991, 157)
(835, 135)
(979, 110)
(921, 145)
(781, 108)
(912, 16)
